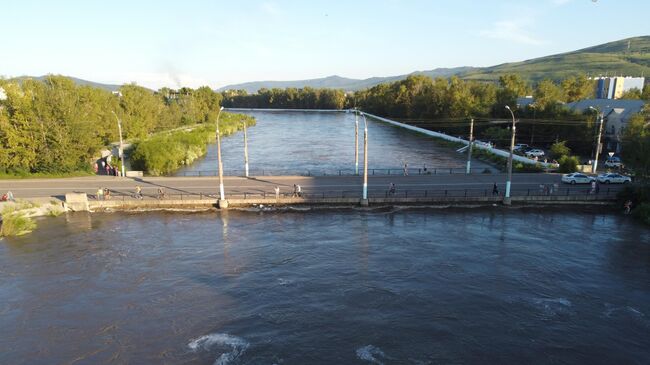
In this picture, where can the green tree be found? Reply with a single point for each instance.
(559, 149)
(548, 96)
(631, 94)
(578, 88)
(636, 144)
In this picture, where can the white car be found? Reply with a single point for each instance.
(520, 147)
(483, 144)
(614, 179)
(613, 163)
(535, 153)
(577, 178)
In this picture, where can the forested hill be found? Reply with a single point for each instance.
(614, 58)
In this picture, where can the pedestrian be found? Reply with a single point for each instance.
(138, 192)
(406, 169)
(161, 193)
(495, 189)
(424, 168)
(628, 206)
(100, 194)
(597, 186)
(295, 191)
(299, 190)
(277, 192)
(392, 189)
(107, 194)
(10, 196)
(593, 187)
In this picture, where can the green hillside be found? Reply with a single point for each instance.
(612, 58)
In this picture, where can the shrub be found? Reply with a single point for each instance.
(16, 224)
(559, 149)
(642, 213)
(568, 164)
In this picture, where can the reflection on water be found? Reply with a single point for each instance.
(294, 142)
(355, 286)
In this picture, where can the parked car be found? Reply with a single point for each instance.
(521, 147)
(613, 163)
(483, 144)
(577, 178)
(614, 179)
(535, 153)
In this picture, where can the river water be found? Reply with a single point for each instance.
(294, 142)
(392, 286)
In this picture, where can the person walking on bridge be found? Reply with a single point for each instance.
(406, 169)
(495, 190)
(138, 192)
(277, 192)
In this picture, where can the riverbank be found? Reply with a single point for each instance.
(16, 217)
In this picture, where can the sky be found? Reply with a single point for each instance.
(215, 43)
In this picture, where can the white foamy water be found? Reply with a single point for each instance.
(237, 344)
(370, 353)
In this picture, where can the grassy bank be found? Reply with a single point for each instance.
(640, 198)
(40, 175)
(167, 152)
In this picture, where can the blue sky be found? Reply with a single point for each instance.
(214, 43)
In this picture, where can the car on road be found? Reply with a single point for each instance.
(613, 179)
(613, 163)
(577, 178)
(535, 152)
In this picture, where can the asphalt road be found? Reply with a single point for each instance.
(434, 184)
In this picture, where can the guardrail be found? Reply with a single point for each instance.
(546, 191)
(343, 172)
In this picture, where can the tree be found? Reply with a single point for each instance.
(559, 149)
(636, 144)
(578, 88)
(631, 94)
(548, 96)
(511, 86)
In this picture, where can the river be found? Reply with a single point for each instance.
(392, 286)
(294, 142)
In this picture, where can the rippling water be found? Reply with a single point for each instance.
(294, 142)
(422, 286)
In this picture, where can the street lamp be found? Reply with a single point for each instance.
(121, 151)
(356, 141)
(469, 146)
(245, 150)
(223, 203)
(506, 198)
(364, 199)
(594, 164)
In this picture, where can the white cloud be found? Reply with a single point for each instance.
(270, 8)
(512, 31)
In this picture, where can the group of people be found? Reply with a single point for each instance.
(104, 168)
(7, 197)
(103, 194)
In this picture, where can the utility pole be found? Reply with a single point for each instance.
(506, 198)
(223, 203)
(364, 199)
(600, 133)
(356, 142)
(470, 145)
(245, 150)
(121, 151)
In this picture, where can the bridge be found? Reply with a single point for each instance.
(342, 190)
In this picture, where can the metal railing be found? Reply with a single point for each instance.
(586, 192)
(344, 172)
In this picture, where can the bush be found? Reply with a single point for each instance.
(558, 150)
(568, 164)
(16, 224)
(642, 213)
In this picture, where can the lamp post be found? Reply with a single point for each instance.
(469, 146)
(506, 198)
(356, 142)
(223, 203)
(121, 151)
(245, 150)
(364, 199)
(594, 164)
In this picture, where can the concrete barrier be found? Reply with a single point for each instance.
(76, 202)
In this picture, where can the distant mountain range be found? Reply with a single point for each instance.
(628, 57)
(77, 81)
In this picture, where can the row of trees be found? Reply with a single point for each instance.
(289, 98)
(55, 126)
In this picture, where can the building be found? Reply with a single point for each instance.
(614, 87)
(616, 114)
